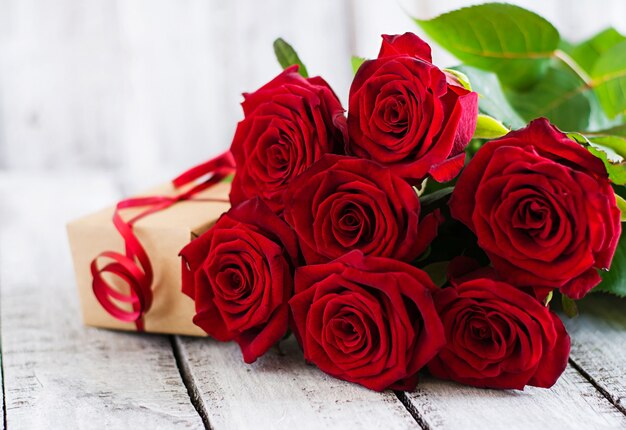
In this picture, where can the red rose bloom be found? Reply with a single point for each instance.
(542, 208)
(289, 123)
(240, 275)
(407, 114)
(368, 320)
(344, 203)
(498, 337)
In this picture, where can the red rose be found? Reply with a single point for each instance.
(344, 203)
(239, 273)
(368, 320)
(542, 208)
(289, 123)
(407, 114)
(498, 337)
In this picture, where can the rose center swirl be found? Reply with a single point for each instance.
(232, 285)
(536, 217)
(352, 224)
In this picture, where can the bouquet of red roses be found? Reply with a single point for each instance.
(430, 227)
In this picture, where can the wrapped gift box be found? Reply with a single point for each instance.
(162, 234)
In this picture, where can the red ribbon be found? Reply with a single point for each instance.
(134, 266)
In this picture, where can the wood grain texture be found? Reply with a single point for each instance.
(573, 403)
(599, 344)
(282, 392)
(59, 374)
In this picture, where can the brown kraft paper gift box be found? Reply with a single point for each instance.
(162, 234)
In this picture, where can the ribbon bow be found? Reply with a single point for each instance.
(134, 266)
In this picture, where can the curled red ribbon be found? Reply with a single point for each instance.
(134, 266)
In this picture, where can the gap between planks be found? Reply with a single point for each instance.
(599, 346)
(3, 406)
(279, 391)
(322, 398)
(611, 399)
(195, 396)
(410, 407)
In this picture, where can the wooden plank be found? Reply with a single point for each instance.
(3, 420)
(281, 391)
(57, 372)
(573, 403)
(599, 345)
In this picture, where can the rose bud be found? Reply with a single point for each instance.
(368, 320)
(240, 275)
(542, 208)
(345, 203)
(289, 123)
(498, 336)
(407, 114)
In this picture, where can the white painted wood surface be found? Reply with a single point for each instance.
(283, 392)
(599, 345)
(138, 90)
(573, 403)
(57, 373)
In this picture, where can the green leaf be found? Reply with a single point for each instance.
(614, 146)
(491, 99)
(559, 96)
(621, 204)
(438, 272)
(460, 77)
(614, 280)
(610, 150)
(287, 56)
(229, 179)
(618, 130)
(435, 199)
(509, 40)
(614, 163)
(566, 46)
(548, 298)
(609, 80)
(598, 119)
(587, 53)
(356, 63)
(569, 306)
(489, 128)
(472, 148)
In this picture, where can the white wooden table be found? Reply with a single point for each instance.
(58, 374)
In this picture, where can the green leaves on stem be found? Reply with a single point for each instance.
(569, 306)
(621, 204)
(287, 56)
(609, 80)
(588, 52)
(511, 41)
(489, 128)
(610, 149)
(577, 87)
(558, 96)
(438, 272)
(492, 100)
(356, 63)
